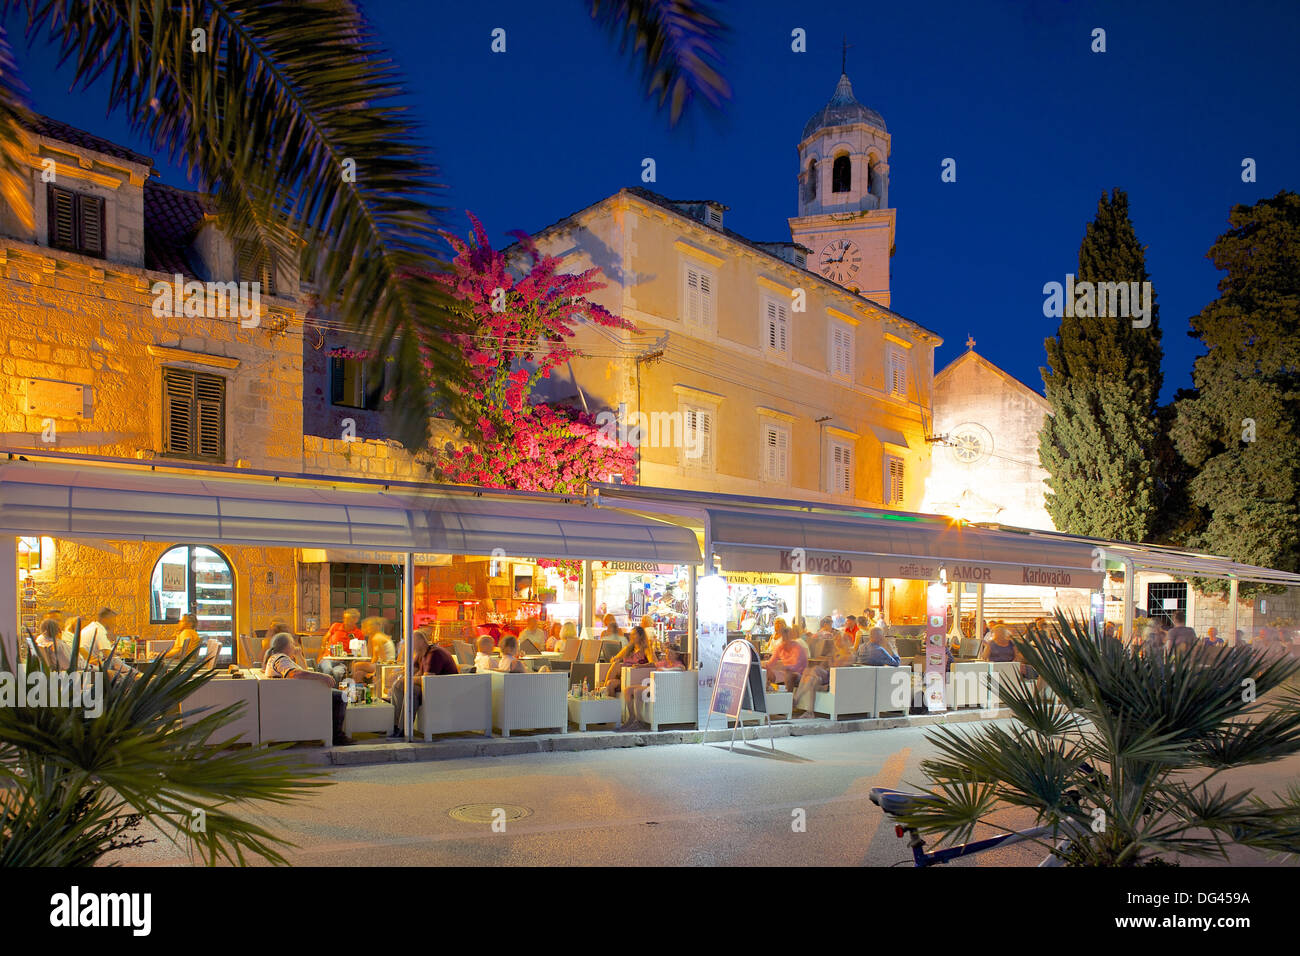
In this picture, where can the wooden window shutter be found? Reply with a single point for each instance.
(337, 370)
(210, 402)
(90, 225)
(178, 411)
(194, 414)
(256, 266)
(62, 214)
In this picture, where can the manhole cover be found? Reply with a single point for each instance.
(488, 812)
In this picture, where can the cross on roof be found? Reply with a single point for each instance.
(844, 56)
(970, 342)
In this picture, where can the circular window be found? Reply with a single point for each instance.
(970, 443)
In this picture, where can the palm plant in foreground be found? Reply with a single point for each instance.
(291, 115)
(74, 787)
(1126, 761)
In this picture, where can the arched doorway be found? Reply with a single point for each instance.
(198, 580)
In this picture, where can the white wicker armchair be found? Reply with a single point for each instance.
(530, 702)
(294, 710)
(852, 691)
(674, 698)
(222, 692)
(455, 702)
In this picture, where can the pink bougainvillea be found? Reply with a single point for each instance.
(523, 325)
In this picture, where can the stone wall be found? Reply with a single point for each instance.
(80, 577)
(70, 319)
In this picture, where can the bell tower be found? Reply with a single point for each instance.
(843, 202)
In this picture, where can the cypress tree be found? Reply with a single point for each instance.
(1103, 380)
(1239, 430)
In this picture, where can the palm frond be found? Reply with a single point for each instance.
(677, 42)
(15, 141)
(74, 786)
(271, 117)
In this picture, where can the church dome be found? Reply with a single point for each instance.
(843, 110)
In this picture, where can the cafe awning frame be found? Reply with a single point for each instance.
(122, 500)
(757, 534)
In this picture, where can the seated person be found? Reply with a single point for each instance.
(278, 625)
(340, 632)
(56, 644)
(186, 638)
(612, 631)
(998, 648)
(485, 660)
(1212, 638)
(638, 697)
(852, 629)
(637, 653)
(280, 665)
(485, 627)
(98, 642)
(568, 632)
(343, 633)
(534, 634)
(509, 662)
(874, 653)
(788, 661)
(379, 646)
(818, 677)
(427, 659)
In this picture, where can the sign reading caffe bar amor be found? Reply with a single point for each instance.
(798, 560)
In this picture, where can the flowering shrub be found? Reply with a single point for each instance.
(522, 327)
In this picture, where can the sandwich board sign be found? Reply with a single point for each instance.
(739, 686)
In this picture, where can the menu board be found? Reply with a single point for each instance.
(738, 671)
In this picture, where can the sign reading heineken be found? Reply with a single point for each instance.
(640, 567)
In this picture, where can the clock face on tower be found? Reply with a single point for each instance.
(840, 260)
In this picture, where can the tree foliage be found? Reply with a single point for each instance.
(1103, 379)
(74, 787)
(1240, 432)
(522, 330)
(1125, 759)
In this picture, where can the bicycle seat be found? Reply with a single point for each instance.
(895, 802)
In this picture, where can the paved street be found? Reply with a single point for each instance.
(683, 805)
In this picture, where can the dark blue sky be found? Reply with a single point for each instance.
(1038, 124)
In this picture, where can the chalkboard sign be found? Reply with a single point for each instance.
(739, 670)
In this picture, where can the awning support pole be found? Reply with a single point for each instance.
(9, 598)
(1130, 583)
(692, 621)
(1232, 615)
(798, 600)
(979, 610)
(588, 600)
(408, 652)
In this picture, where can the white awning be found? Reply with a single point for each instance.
(910, 547)
(755, 534)
(94, 500)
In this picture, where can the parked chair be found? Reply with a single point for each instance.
(311, 647)
(455, 702)
(589, 651)
(463, 653)
(608, 649)
(529, 702)
(249, 651)
(674, 699)
(211, 652)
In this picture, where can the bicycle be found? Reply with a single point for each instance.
(896, 803)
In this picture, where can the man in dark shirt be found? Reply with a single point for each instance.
(1180, 636)
(426, 659)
